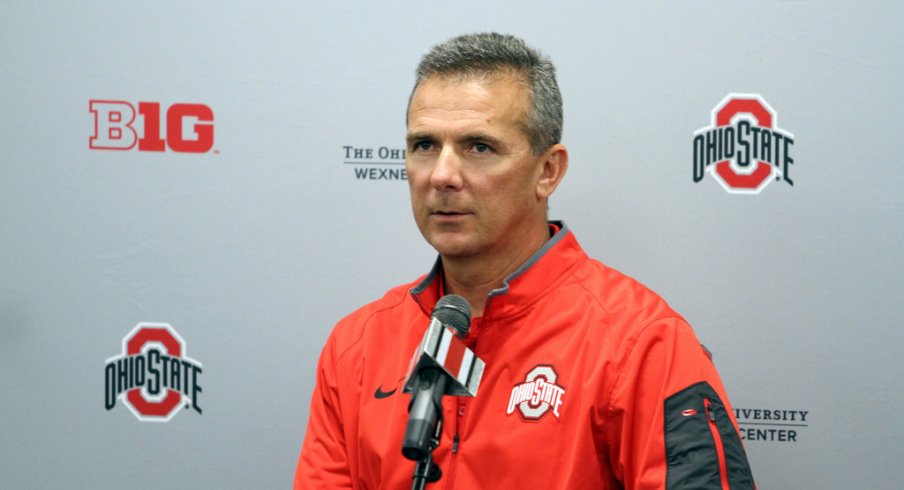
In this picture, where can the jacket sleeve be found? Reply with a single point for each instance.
(670, 425)
(324, 462)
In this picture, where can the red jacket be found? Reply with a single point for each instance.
(591, 382)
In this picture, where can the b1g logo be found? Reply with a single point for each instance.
(537, 395)
(117, 126)
(153, 376)
(743, 147)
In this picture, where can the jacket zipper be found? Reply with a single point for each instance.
(717, 439)
(456, 442)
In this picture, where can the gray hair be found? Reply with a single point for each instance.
(489, 55)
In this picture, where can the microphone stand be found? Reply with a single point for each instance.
(424, 470)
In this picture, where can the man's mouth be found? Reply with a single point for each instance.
(449, 213)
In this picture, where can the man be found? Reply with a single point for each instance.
(591, 380)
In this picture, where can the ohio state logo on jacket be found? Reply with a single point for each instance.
(537, 395)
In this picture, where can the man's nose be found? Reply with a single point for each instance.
(446, 173)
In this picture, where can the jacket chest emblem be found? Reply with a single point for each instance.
(537, 395)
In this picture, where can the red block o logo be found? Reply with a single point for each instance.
(173, 344)
(762, 171)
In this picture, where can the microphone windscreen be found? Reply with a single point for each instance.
(454, 312)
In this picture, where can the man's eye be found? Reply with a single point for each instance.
(481, 148)
(423, 146)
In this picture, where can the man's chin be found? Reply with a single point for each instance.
(452, 245)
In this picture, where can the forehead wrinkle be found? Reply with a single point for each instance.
(443, 115)
(448, 93)
(449, 124)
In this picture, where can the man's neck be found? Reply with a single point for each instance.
(475, 277)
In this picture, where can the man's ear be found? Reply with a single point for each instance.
(554, 165)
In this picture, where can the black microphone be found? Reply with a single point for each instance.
(441, 365)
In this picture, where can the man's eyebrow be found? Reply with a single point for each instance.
(417, 135)
(478, 136)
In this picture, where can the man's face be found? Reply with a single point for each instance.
(471, 172)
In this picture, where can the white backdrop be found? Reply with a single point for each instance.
(253, 249)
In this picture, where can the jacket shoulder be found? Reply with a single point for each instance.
(348, 331)
(624, 299)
